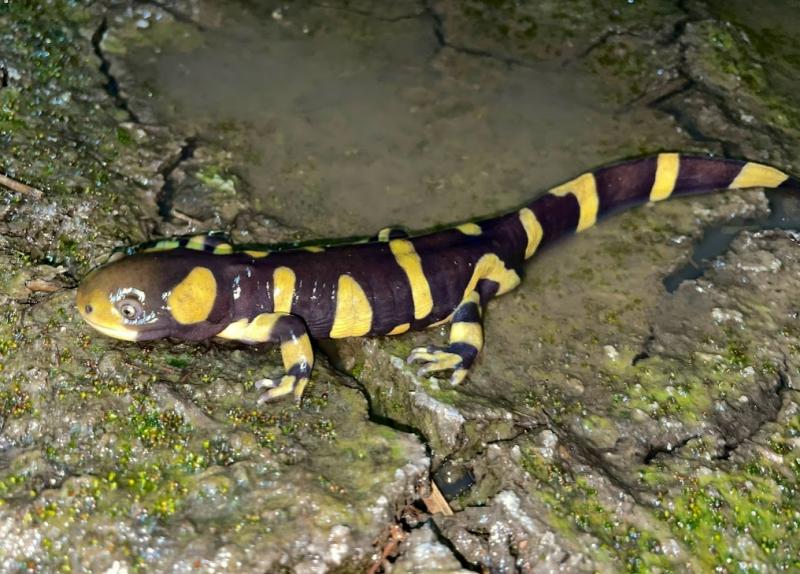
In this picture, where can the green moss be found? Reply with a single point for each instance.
(574, 507)
(713, 511)
(48, 54)
(14, 401)
(734, 62)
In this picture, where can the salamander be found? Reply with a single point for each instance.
(199, 287)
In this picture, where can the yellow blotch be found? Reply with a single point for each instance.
(407, 258)
(235, 331)
(384, 234)
(444, 321)
(163, 245)
(533, 229)
(283, 280)
(667, 167)
(400, 329)
(464, 332)
(470, 229)
(491, 267)
(192, 299)
(758, 175)
(353, 316)
(314, 248)
(256, 254)
(259, 330)
(198, 242)
(584, 188)
(223, 249)
(297, 351)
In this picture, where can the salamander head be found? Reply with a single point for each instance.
(149, 296)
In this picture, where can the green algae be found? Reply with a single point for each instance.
(39, 44)
(574, 506)
(733, 62)
(715, 512)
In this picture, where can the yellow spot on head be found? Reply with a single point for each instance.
(533, 229)
(283, 280)
(256, 254)
(223, 249)
(584, 188)
(667, 167)
(758, 175)
(470, 229)
(353, 316)
(407, 258)
(192, 299)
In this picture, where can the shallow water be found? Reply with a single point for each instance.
(349, 129)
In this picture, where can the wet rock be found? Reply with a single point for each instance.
(609, 425)
(116, 456)
(426, 554)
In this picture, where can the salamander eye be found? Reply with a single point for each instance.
(130, 309)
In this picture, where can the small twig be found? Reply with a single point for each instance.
(19, 187)
(396, 536)
(42, 286)
(185, 218)
(436, 502)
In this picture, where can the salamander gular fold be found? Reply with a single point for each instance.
(199, 287)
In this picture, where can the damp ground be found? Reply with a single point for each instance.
(636, 405)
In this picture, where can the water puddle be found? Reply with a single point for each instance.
(784, 213)
(352, 127)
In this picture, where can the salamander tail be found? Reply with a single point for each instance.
(579, 203)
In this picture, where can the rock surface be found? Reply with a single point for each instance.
(611, 424)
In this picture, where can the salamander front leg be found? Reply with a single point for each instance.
(298, 359)
(466, 341)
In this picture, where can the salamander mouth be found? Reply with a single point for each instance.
(116, 332)
(146, 333)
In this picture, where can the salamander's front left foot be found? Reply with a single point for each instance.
(277, 388)
(455, 357)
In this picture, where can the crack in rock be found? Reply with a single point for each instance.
(443, 42)
(667, 448)
(368, 14)
(111, 85)
(646, 348)
(769, 414)
(166, 194)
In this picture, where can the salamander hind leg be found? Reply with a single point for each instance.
(466, 341)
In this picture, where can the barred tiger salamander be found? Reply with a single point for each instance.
(199, 287)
